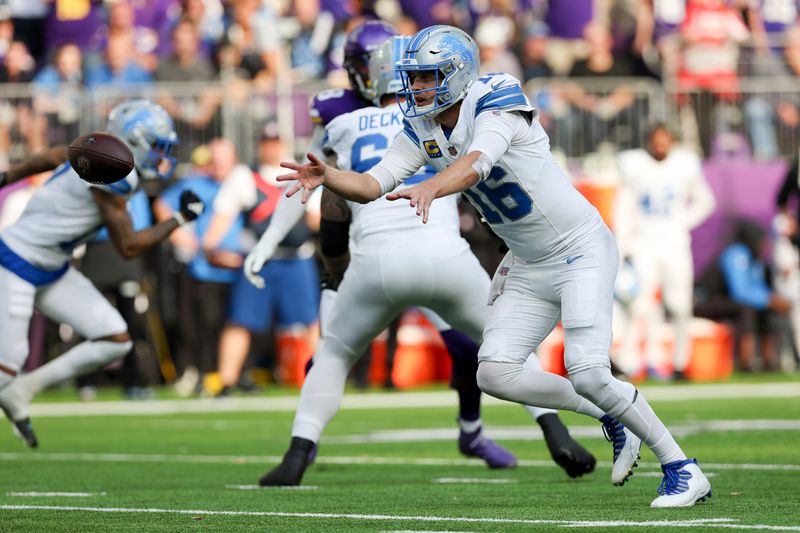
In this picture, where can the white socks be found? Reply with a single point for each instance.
(321, 397)
(645, 424)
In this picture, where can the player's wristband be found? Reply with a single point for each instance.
(179, 218)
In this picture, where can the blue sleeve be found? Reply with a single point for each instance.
(500, 99)
(745, 280)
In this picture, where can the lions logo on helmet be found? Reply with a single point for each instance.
(451, 55)
(149, 132)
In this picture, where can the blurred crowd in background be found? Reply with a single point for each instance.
(237, 76)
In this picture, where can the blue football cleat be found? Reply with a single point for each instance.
(626, 449)
(684, 484)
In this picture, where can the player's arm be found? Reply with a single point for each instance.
(34, 164)
(493, 135)
(703, 201)
(130, 243)
(335, 235)
(401, 160)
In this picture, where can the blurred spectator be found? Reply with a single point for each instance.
(735, 288)
(251, 46)
(16, 116)
(58, 91)
(658, 25)
(772, 118)
(121, 282)
(428, 12)
(6, 32)
(72, 21)
(786, 279)
(28, 18)
(612, 114)
(311, 40)
(567, 20)
(120, 67)
(493, 35)
(712, 32)
(789, 194)
(290, 299)
(533, 52)
(193, 110)
(769, 19)
(207, 16)
(143, 21)
(203, 288)
(664, 196)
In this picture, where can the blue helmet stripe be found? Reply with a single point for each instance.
(496, 95)
(408, 130)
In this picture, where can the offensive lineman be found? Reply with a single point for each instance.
(483, 137)
(390, 271)
(36, 250)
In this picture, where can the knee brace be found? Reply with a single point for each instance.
(597, 385)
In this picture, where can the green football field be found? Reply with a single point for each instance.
(389, 462)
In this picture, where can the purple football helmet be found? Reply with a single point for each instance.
(361, 42)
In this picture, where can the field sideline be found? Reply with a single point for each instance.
(385, 465)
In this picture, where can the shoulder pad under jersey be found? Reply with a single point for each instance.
(331, 103)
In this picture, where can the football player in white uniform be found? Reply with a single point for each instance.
(35, 272)
(665, 196)
(383, 260)
(483, 138)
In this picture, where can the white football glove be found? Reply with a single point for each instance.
(254, 262)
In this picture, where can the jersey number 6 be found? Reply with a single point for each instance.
(508, 200)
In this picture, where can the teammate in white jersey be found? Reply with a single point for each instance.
(663, 197)
(483, 137)
(383, 259)
(35, 252)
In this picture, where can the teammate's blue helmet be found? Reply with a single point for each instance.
(451, 55)
(358, 48)
(383, 75)
(149, 132)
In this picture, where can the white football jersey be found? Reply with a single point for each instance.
(526, 199)
(668, 197)
(61, 215)
(359, 139)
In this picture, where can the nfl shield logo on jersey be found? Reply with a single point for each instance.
(452, 150)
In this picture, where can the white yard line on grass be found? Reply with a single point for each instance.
(382, 400)
(339, 460)
(56, 494)
(259, 487)
(728, 523)
(473, 480)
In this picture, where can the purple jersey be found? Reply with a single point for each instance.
(331, 103)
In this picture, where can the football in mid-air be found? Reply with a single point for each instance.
(100, 158)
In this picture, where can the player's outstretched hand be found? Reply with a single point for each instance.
(308, 176)
(419, 196)
(253, 264)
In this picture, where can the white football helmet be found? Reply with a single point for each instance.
(149, 132)
(452, 55)
(383, 76)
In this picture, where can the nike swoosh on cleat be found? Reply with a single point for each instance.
(571, 260)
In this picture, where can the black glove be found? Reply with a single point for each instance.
(3, 177)
(191, 207)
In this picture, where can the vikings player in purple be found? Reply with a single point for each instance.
(326, 107)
